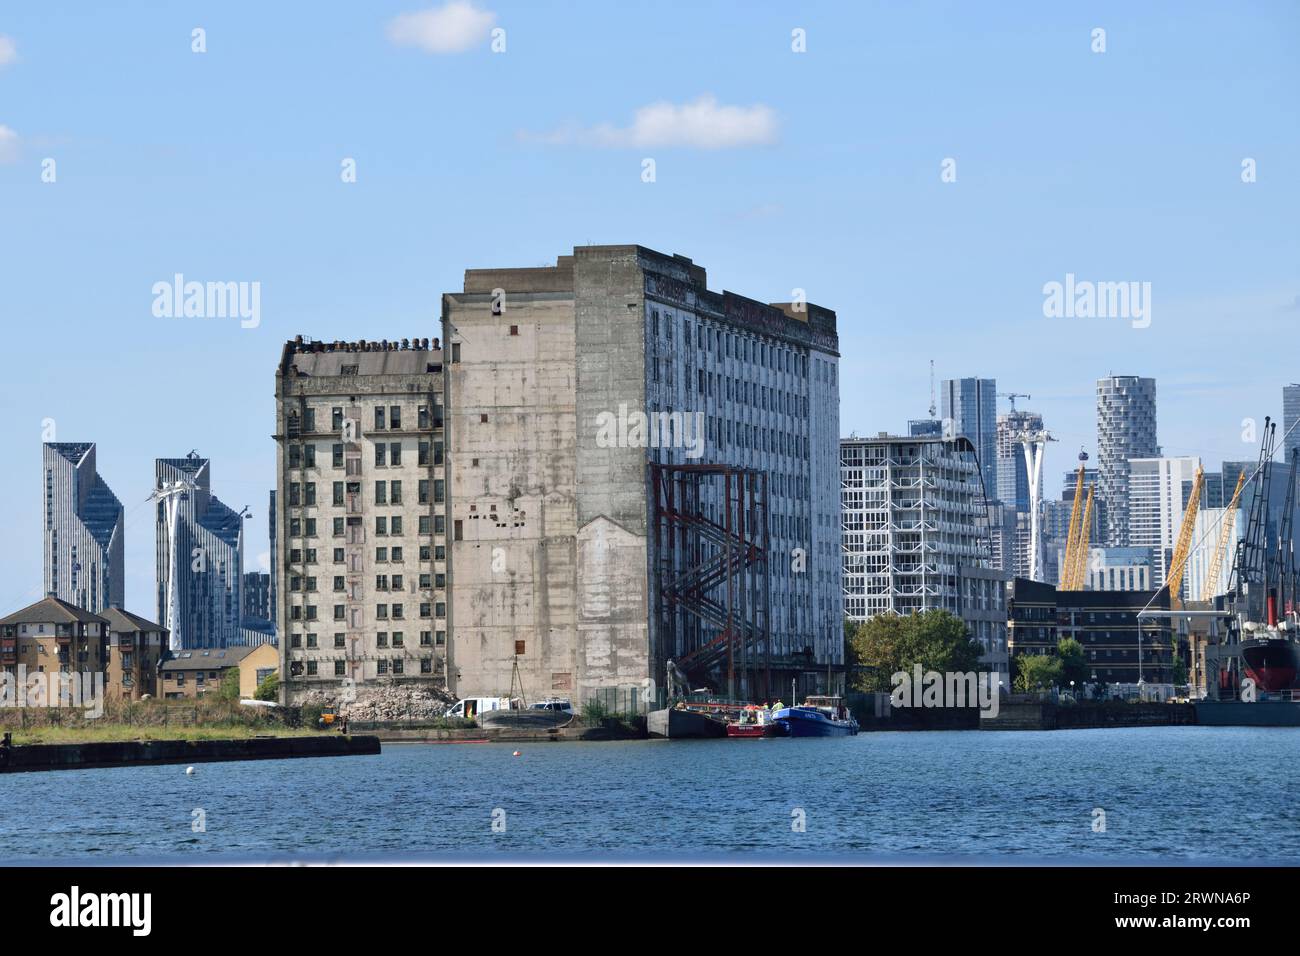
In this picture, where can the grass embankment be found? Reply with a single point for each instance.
(105, 732)
(208, 718)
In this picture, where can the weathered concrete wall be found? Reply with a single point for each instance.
(512, 493)
(612, 593)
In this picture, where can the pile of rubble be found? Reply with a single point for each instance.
(390, 701)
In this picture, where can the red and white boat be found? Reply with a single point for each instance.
(754, 721)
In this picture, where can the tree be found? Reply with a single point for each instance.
(229, 689)
(1037, 672)
(1074, 662)
(888, 643)
(269, 687)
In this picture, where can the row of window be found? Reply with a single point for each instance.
(382, 639)
(382, 665)
(386, 416)
(383, 612)
(732, 345)
(383, 582)
(393, 555)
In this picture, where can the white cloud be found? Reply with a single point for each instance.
(453, 28)
(8, 50)
(8, 145)
(702, 124)
(263, 561)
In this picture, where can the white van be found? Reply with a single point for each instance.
(469, 707)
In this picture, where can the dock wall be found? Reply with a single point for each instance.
(128, 753)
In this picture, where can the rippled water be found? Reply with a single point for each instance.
(1205, 793)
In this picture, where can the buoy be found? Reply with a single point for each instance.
(189, 771)
(516, 753)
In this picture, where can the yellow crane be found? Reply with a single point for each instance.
(1174, 579)
(1211, 585)
(1072, 536)
(1079, 570)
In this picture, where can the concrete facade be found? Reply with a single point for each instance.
(549, 372)
(360, 522)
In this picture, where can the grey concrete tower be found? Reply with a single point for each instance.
(83, 530)
(1126, 429)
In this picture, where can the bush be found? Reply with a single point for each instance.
(594, 711)
(269, 688)
(311, 712)
(228, 689)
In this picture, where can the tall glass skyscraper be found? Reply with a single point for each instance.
(209, 559)
(970, 404)
(83, 530)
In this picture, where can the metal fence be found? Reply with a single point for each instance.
(624, 700)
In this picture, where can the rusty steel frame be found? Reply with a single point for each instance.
(713, 595)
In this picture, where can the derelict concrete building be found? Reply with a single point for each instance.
(639, 469)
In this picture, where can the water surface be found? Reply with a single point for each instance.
(1208, 794)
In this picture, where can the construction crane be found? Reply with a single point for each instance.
(1072, 536)
(1250, 561)
(1012, 396)
(1174, 579)
(934, 408)
(1286, 568)
(1211, 585)
(1079, 570)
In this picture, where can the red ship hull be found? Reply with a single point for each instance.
(1271, 663)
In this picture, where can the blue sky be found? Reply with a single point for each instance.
(825, 175)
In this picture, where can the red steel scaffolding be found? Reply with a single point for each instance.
(711, 560)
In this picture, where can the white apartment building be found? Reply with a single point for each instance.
(1155, 506)
(912, 514)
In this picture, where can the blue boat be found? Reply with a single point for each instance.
(818, 717)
